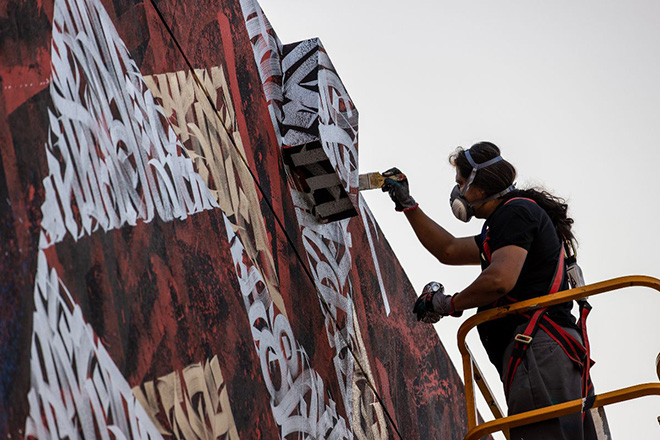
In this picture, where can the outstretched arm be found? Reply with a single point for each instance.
(440, 243)
(495, 281)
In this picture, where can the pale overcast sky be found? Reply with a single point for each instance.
(570, 91)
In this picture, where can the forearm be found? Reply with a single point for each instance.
(441, 243)
(486, 289)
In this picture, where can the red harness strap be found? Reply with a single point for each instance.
(524, 339)
(576, 352)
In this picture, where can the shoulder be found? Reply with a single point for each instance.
(517, 216)
(517, 221)
(521, 202)
(518, 207)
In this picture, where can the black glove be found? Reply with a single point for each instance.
(398, 190)
(433, 304)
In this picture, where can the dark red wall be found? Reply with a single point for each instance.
(163, 273)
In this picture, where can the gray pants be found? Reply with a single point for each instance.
(545, 377)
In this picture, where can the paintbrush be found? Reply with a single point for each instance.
(377, 180)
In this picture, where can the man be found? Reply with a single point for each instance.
(521, 253)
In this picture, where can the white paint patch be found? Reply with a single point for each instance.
(267, 48)
(113, 160)
(112, 156)
(76, 391)
(298, 399)
(367, 217)
(327, 246)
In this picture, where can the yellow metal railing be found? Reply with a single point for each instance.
(471, 370)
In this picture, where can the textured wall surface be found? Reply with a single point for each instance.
(184, 250)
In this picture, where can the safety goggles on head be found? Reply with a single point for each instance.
(462, 209)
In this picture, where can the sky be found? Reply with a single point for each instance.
(570, 92)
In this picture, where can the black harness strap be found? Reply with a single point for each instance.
(587, 385)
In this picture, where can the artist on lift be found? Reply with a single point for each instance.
(541, 357)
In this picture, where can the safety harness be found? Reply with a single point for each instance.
(576, 352)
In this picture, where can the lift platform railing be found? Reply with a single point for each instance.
(471, 371)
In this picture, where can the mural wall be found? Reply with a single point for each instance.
(185, 253)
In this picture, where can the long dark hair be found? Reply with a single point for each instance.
(501, 175)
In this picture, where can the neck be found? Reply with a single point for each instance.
(488, 208)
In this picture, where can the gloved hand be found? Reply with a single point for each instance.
(433, 304)
(399, 192)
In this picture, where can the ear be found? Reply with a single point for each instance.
(479, 192)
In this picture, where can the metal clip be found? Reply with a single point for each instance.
(524, 339)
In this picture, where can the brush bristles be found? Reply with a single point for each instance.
(371, 181)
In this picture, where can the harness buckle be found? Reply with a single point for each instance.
(523, 339)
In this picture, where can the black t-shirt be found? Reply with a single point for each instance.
(521, 222)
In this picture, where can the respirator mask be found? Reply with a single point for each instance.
(462, 209)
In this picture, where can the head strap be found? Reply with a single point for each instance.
(476, 167)
(495, 196)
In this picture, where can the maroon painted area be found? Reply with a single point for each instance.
(410, 362)
(21, 196)
(24, 66)
(163, 295)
